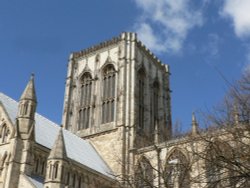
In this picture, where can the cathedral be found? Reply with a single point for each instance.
(116, 126)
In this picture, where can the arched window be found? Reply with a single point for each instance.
(155, 102)
(24, 109)
(108, 94)
(68, 178)
(37, 165)
(85, 101)
(177, 170)
(5, 132)
(50, 170)
(55, 170)
(74, 180)
(144, 174)
(2, 162)
(141, 98)
(43, 166)
(80, 182)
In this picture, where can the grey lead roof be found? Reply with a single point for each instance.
(36, 181)
(47, 131)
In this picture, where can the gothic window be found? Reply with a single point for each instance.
(144, 174)
(2, 162)
(50, 170)
(37, 165)
(155, 102)
(141, 87)
(68, 178)
(62, 175)
(43, 165)
(24, 109)
(74, 180)
(85, 101)
(5, 132)
(79, 182)
(108, 94)
(177, 171)
(55, 170)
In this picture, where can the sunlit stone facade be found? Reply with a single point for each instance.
(116, 125)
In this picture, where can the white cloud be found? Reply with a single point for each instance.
(164, 24)
(146, 34)
(246, 69)
(213, 45)
(246, 65)
(239, 12)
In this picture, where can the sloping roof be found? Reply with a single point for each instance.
(36, 181)
(46, 133)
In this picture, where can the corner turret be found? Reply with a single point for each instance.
(26, 110)
(57, 160)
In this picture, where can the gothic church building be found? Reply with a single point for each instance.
(116, 124)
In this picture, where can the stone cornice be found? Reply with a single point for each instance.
(151, 56)
(126, 36)
(97, 47)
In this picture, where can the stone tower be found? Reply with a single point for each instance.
(118, 96)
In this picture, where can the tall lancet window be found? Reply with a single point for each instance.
(177, 170)
(141, 87)
(155, 102)
(144, 174)
(85, 101)
(108, 94)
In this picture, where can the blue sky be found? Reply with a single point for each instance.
(200, 40)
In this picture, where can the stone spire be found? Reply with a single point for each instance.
(58, 151)
(194, 125)
(27, 109)
(29, 93)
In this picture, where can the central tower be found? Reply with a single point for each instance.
(117, 92)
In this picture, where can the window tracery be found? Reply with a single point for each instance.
(144, 174)
(85, 101)
(108, 94)
(177, 170)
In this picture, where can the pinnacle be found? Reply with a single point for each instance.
(194, 124)
(29, 92)
(58, 151)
